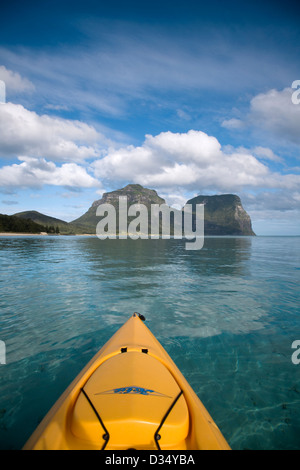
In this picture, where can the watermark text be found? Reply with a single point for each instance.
(296, 94)
(2, 92)
(296, 354)
(2, 353)
(163, 221)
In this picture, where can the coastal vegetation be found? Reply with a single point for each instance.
(14, 224)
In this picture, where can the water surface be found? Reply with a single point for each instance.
(227, 314)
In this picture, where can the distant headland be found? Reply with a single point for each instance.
(223, 215)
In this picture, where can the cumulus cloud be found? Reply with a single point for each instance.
(266, 154)
(24, 132)
(14, 82)
(37, 172)
(193, 160)
(274, 112)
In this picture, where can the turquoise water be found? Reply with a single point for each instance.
(227, 314)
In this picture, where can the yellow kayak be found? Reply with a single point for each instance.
(131, 395)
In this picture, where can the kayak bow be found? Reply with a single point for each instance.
(131, 395)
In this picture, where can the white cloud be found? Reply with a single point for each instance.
(273, 112)
(193, 146)
(233, 123)
(194, 161)
(276, 112)
(24, 132)
(14, 82)
(2, 92)
(263, 153)
(183, 115)
(268, 201)
(56, 107)
(176, 200)
(35, 173)
(266, 154)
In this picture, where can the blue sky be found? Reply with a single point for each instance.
(183, 97)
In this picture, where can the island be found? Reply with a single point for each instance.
(223, 214)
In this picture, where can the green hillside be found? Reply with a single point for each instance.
(224, 215)
(51, 223)
(11, 223)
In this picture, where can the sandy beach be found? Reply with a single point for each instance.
(16, 234)
(44, 234)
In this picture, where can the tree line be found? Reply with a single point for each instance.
(11, 223)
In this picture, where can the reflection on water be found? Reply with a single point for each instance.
(229, 258)
(227, 314)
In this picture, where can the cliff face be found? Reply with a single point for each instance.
(224, 215)
(135, 193)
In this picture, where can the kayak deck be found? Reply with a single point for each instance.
(138, 408)
(130, 396)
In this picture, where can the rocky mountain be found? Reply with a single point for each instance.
(224, 215)
(135, 193)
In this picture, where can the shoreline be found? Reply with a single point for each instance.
(22, 234)
(15, 234)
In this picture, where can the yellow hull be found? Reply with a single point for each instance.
(131, 395)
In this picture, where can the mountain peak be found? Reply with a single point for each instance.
(136, 194)
(224, 214)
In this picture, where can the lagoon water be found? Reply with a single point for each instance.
(227, 314)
